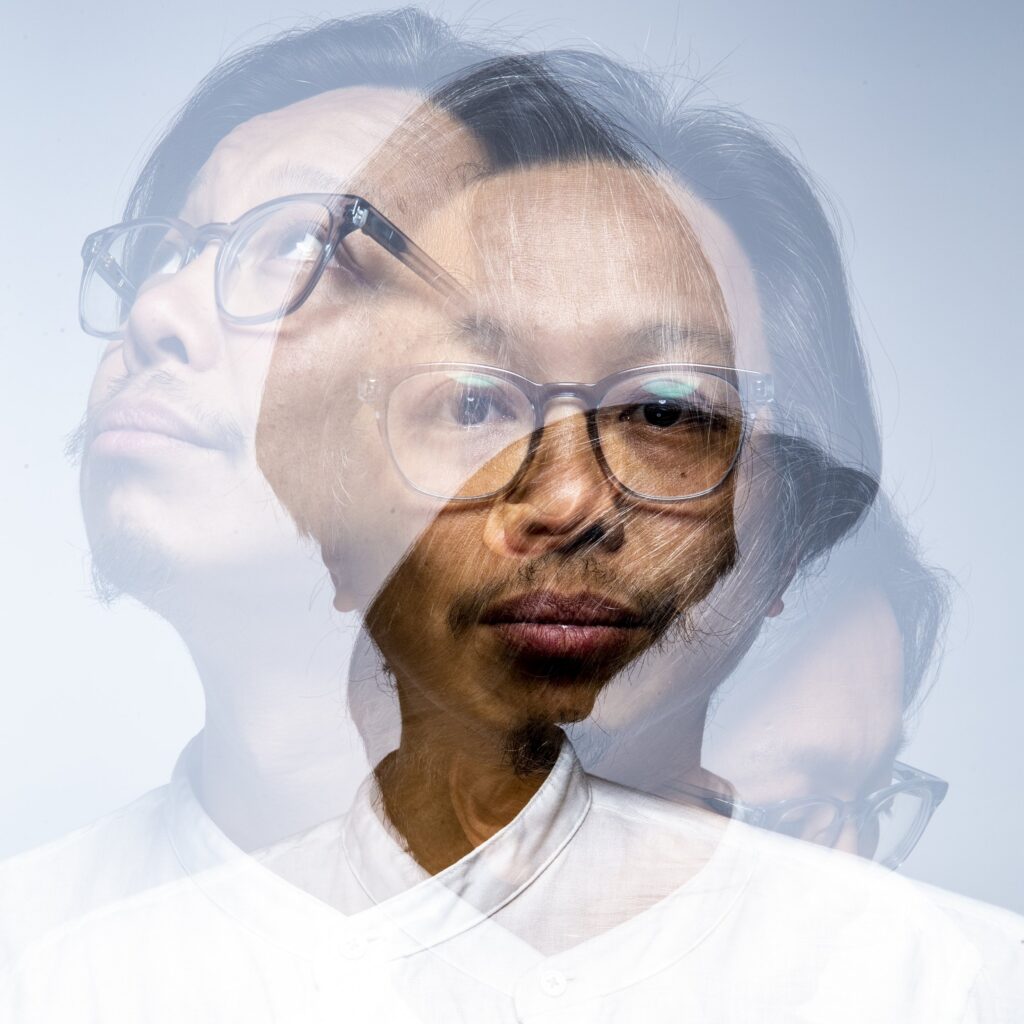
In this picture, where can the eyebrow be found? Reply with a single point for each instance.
(485, 335)
(291, 177)
(495, 341)
(700, 342)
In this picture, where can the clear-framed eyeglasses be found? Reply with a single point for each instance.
(888, 823)
(269, 262)
(664, 432)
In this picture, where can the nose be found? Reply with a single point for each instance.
(564, 500)
(174, 319)
(850, 840)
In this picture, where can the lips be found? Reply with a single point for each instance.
(559, 626)
(126, 427)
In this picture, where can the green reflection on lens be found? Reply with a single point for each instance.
(671, 388)
(474, 380)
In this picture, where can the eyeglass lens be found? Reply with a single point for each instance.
(268, 264)
(896, 824)
(886, 834)
(467, 433)
(130, 258)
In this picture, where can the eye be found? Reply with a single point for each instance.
(166, 259)
(670, 403)
(475, 401)
(662, 413)
(300, 245)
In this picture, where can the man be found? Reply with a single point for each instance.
(178, 513)
(282, 951)
(572, 525)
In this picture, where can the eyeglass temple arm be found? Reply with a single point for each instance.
(376, 226)
(110, 270)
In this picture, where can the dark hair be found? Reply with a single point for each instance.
(524, 112)
(823, 462)
(402, 49)
(573, 104)
(570, 105)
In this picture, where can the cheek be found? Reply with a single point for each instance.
(111, 369)
(690, 533)
(685, 554)
(251, 359)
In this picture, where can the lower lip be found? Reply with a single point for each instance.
(556, 641)
(138, 442)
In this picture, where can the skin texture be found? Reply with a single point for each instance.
(826, 719)
(177, 506)
(477, 718)
(196, 532)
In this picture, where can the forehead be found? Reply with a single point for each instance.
(580, 253)
(315, 145)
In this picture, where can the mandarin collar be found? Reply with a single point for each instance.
(411, 909)
(437, 908)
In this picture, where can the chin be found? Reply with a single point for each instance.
(131, 563)
(561, 701)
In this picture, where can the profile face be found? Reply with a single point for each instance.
(169, 481)
(506, 581)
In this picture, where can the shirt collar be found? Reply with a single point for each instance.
(433, 909)
(413, 910)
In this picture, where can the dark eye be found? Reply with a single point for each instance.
(662, 413)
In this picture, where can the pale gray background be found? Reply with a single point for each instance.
(908, 113)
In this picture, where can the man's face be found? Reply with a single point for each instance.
(170, 486)
(516, 609)
(825, 719)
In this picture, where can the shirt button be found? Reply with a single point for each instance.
(553, 983)
(354, 948)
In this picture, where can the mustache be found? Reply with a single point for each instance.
(224, 430)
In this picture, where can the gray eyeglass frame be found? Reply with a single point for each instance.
(348, 213)
(755, 389)
(769, 816)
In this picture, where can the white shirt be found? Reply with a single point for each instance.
(596, 903)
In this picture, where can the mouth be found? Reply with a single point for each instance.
(140, 428)
(558, 627)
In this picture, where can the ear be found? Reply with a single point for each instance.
(344, 599)
(777, 605)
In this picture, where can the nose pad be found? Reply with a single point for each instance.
(562, 501)
(174, 319)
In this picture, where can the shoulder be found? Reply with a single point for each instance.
(997, 935)
(117, 855)
(849, 922)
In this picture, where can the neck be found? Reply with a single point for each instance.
(450, 785)
(279, 751)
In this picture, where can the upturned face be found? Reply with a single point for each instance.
(170, 484)
(552, 566)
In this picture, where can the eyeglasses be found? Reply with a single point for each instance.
(666, 432)
(269, 261)
(888, 822)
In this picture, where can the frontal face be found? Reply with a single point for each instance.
(170, 485)
(516, 609)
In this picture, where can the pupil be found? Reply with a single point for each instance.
(662, 413)
(473, 408)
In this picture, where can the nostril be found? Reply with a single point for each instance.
(588, 538)
(173, 347)
(609, 536)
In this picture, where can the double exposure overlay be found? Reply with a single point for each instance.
(493, 426)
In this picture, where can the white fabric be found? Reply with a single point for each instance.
(596, 903)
